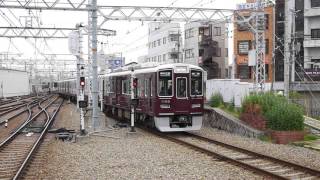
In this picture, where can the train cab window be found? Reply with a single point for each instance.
(165, 83)
(196, 83)
(181, 87)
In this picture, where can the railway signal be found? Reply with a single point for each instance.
(82, 81)
(82, 102)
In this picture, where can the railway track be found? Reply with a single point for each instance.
(17, 150)
(259, 163)
(9, 101)
(17, 111)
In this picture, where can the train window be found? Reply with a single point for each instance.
(146, 88)
(165, 83)
(126, 89)
(181, 87)
(196, 83)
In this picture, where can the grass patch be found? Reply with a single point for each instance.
(265, 138)
(310, 137)
(229, 110)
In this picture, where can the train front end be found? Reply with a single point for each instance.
(180, 98)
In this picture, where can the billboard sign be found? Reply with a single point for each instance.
(115, 62)
(244, 6)
(312, 74)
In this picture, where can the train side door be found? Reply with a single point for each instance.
(151, 94)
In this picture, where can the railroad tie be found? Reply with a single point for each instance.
(307, 178)
(293, 174)
(280, 170)
(271, 167)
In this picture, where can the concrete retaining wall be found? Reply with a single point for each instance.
(217, 118)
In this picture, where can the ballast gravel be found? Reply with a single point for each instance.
(117, 154)
(120, 155)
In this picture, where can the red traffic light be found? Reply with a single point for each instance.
(82, 81)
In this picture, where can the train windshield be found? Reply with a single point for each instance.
(165, 83)
(196, 83)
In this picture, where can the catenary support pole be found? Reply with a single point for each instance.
(287, 49)
(95, 119)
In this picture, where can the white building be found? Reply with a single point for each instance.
(14, 83)
(206, 46)
(164, 43)
(311, 34)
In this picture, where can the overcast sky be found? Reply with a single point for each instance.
(131, 36)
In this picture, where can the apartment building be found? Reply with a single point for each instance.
(164, 43)
(312, 37)
(244, 42)
(206, 46)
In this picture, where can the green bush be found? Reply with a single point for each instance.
(216, 100)
(285, 117)
(265, 100)
(280, 114)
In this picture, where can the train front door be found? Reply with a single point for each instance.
(182, 99)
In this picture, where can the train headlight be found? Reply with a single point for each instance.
(164, 106)
(196, 105)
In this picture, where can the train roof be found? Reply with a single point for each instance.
(140, 70)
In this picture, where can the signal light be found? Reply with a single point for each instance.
(82, 81)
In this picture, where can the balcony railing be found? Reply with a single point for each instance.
(311, 42)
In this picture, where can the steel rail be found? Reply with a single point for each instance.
(4, 112)
(259, 155)
(38, 142)
(13, 135)
(33, 103)
(232, 160)
(14, 100)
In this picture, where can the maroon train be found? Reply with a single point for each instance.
(171, 96)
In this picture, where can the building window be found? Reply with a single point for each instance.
(242, 26)
(217, 31)
(226, 51)
(315, 3)
(189, 33)
(218, 52)
(164, 57)
(244, 72)
(154, 43)
(164, 40)
(267, 46)
(315, 33)
(243, 47)
(189, 53)
(174, 37)
(159, 42)
(315, 63)
(159, 58)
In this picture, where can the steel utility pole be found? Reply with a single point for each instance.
(95, 118)
(260, 47)
(287, 49)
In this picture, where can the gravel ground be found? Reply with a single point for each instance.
(300, 155)
(115, 154)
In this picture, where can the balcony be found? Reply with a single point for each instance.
(205, 40)
(311, 42)
(312, 12)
